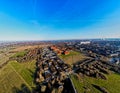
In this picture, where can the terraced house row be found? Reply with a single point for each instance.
(52, 73)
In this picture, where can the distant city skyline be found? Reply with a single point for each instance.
(59, 19)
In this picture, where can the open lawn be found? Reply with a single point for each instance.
(20, 54)
(25, 70)
(73, 57)
(84, 84)
(14, 75)
(9, 79)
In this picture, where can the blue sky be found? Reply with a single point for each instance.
(59, 19)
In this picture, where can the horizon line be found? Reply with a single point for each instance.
(59, 39)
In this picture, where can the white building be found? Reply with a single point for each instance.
(85, 42)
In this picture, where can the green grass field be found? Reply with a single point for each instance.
(9, 79)
(73, 57)
(20, 54)
(15, 74)
(26, 70)
(112, 84)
